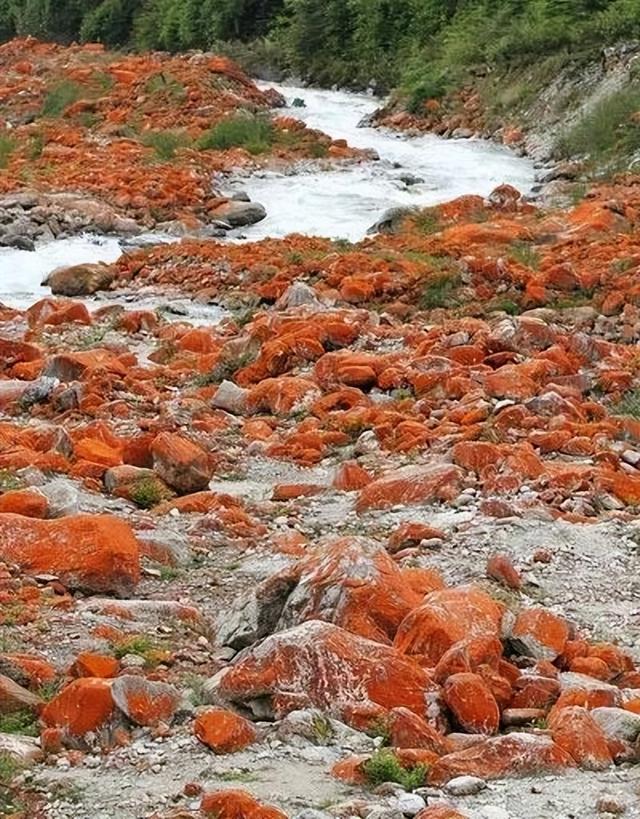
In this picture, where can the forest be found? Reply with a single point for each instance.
(421, 45)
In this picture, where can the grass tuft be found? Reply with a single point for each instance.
(147, 493)
(165, 143)
(440, 291)
(253, 133)
(60, 97)
(384, 766)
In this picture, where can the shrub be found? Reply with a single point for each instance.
(607, 132)
(147, 493)
(384, 766)
(525, 254)
(253, 133)
(7, 147)
(440, 292)
(19, 722)
(59, 98)
(165, 143)
(629, 404)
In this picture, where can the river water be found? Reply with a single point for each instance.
(341, 203)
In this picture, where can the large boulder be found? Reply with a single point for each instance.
(319, 665)
(240, 214)
(350, 582)
(412, 485)
(181, 464)
(97, 553)
(80, 279)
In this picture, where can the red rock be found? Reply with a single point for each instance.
(144, 701)
(516, 754)
(234, 804)
(500, 568)
(14, 697)
(472, 703)
(95, 665)
(510, 382)
(475, 456)
(27, 502)
(535, 692)
(574, 730)
(350, 476)
(412, 534)
(591, 666)
(320, 665)
(82, 706)
(469, 656)
(181, 464)
(440, 812)
(224, 731)
(410, 486)
(290, 491)
(93, 552)
(445, 618)
(540, 633)
(408, 730)
(355, 585)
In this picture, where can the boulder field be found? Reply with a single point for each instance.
(365, 547)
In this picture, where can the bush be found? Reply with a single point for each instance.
(147, 493)
(165, 143)
(607, 132)
(384, 766)
(7, 147)
(440, 292)
(254, 134)
(59, 98)
(19, 722)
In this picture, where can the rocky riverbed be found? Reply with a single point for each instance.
(312, 528)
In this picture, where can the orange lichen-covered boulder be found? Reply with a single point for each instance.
(93, 552)
(27, 502)
(224, 731)
(354, 584)
(320, 665)
(144, 701)
(577, 732)
(410, 486)
(540, 633)
(82, 706)
(95, 665)
(445, 618)
(234, 804)
(408, 730)
(181, 464)
(350, 476)
(469, 656)
(498, 757)
(471, 702)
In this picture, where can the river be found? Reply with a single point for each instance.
(340, 203)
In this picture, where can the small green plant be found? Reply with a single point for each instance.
(165, 84)
(440, 291)
(427, 221)
(140, 644)
(147, 493)
(9, 769)
(165, 143)
(19, 722)
(7, 147)
(9, 481)
(322, 729)
(35, 147)
(380, 728)
(238, 776)
(59, 98)
(255, 134)
(168, 573)
(48, 690)
(541, 724)
(384, 766)
(628, 405)
(525, 254)
(507, 306)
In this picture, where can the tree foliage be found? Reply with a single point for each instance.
(415, 43)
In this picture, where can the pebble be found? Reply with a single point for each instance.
(409, 804)
(465, 785)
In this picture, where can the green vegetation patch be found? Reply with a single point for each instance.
(255, 134)
(384, 766)
(440, 291)
(7, 147)
(166, 143)
(24, 723)
(60, 97)
(608, 134)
